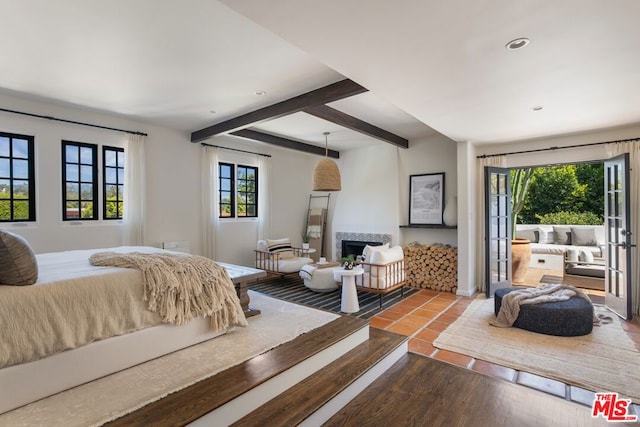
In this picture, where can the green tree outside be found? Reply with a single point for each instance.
(571, 189)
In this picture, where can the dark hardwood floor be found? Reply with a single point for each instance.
(420, 391)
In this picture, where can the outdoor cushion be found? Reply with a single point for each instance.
(562, 235)
(572, 255)
(545, 236)
(550, 249)
(586, 270)
(585, 256)
(531, 235)
(583, 236)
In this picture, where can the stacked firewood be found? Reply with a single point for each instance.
(433, 266)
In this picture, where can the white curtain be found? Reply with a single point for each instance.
(134, 192)
(264, 198)
(496, 161)
(633, 148)
(210, 208)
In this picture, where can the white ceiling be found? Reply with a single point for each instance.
(428, 64)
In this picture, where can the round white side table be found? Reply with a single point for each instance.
(349, 302)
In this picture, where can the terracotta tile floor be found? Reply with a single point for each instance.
(422, 317)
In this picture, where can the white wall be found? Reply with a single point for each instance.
(369, 197)
(291, 180)
(434, 154)
(173, 181)
(169, 171)
(375, 189)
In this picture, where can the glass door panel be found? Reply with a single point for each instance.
(618, 236)
(497, 229)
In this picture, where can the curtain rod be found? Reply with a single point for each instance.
(484, 156)
(72, 122)
(235, 149)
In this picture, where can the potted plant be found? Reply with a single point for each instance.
(348, 262)
(305, 239)
(520, 248)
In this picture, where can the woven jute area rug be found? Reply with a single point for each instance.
(115, 395)
(605, 360)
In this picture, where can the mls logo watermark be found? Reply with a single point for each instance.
(612, 408)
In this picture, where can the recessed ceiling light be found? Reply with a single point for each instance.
(537, 108)
(260, 93)
(518, 43)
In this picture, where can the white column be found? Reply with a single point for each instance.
(466, 218)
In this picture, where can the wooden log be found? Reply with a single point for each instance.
(431, 266)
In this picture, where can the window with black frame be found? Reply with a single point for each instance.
(113, 182)
(79, 181)
(237, 191)
(247, 191)
(17, 178)
(226, 184)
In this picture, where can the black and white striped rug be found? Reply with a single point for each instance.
(291, 288)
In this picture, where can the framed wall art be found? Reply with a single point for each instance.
(426, 194)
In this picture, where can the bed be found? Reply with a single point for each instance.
(67, 339)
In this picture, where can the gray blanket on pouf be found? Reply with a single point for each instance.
(511, 302)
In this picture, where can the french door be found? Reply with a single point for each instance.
(618, 236)
(497, 229)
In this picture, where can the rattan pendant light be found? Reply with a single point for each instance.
(326, 175)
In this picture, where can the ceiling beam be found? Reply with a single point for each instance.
(345, 120)
(284, 142)
(333, 92)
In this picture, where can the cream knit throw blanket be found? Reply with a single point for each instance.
(512, 301)
(182, 287)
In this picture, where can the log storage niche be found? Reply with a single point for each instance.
(433, 266)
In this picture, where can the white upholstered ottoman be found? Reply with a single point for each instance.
(319, 279)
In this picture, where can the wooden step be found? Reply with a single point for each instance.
(421, 391)
(238, 390)
(318, 397)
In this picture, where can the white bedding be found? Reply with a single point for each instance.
(22, 383)
(72, 304)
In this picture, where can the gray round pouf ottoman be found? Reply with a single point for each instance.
(570, 318)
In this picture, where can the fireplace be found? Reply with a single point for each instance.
(359, 241)
(355, 247)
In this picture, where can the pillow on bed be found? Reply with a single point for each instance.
(18, 265)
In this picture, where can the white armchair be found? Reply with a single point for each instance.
(279, 257)
(383, 271)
